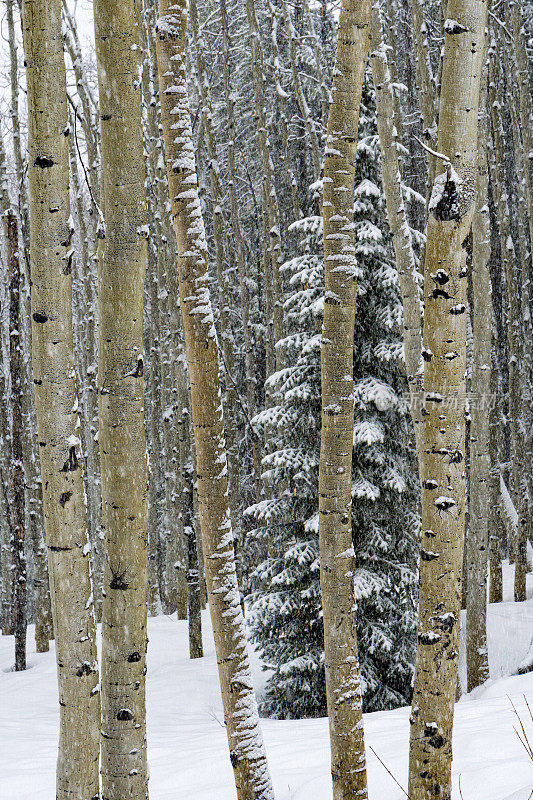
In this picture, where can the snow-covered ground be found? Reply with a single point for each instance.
(187, 744)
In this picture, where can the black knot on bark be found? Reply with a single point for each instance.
(124, 715)
(65, 497)
(71, 464)
(134, 657)
(39, 317)
(43, 162)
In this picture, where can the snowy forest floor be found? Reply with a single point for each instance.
(187, 745)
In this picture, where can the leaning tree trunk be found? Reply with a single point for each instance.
(337, 562)
(247, 751)
(451, 211)
(477, 541)
(56, 402)
(121, 401)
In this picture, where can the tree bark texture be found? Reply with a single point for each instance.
(17, 477)
(56, 400)
(247, 751)
(337, 562)
(450, 216)
(480, 399)
(123, 460)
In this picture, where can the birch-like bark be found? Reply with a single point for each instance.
(515, 333)
(408, 275)
(479, 476)
(56, 402)
(221, 250)
(17, 477)
(5, 427)
(274, 260)
(496, 533)
(282, 98)
(526, 104)
(299, 91)
(337, 561)
(242, 265)
(121, 402)
(451, 212)
(425, 79)
(247, 751)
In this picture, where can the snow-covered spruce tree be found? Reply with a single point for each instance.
(285, 608)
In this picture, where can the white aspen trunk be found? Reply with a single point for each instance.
(56, 401)
(282, 98)
(247, 751)
(451, 212)
(242, 265)
(515, 332)
(274, 260)
(408, 275)
(17, 476)
(496, 532)
(121, 401)
(299, 91)
(5, 428)
(425, 80)
(480, 398)
(337, 561)
(221, 250)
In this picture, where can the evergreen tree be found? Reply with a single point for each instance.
(285, 608)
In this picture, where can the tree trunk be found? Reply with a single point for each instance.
(479, 476)
(17, 478)
(337, 562)
(242, 266)
(122, 439)
(274, 254)
(408, 275)
(451, 211)
(57, 402)
(247, 752)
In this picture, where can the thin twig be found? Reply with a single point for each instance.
(95, 204)
(390, 773)
(501, 24)
(239, 398)
(433, 152)
(525, 740)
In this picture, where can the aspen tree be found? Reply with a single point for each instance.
(274, 305)
(247, 751)
(5, 554)
(525, 102)
(515, 333)
(240, 251)
(479, 477)
(122, 439)
(495, 511)
(337, 561)
(221, 249)
(451, 211)
(17, 477)
(57, 402)
(318, 57)
(299, 91)
(5, 428)
(424, 78)
(396, 213)
(282, 98)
